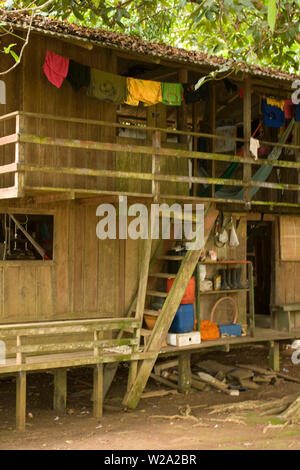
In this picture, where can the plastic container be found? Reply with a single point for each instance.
(184, 319)
(189, 295)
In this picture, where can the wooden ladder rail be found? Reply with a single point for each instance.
(111, 368)
(167, 314)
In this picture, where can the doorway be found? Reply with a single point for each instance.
(259, 251)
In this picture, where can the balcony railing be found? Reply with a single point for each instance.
(39, 155)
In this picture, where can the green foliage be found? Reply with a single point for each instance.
(260, 32)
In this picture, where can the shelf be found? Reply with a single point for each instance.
(224, 262)
(222, 291)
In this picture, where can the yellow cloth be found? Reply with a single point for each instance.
(274, 102)
(147, 91)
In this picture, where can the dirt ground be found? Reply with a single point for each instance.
(137, 429)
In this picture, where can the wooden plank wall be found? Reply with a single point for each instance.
(287, 278)
(84, 280)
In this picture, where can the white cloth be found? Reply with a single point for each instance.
(254, 146)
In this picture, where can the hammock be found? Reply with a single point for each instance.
(261, 174)
(228, 173)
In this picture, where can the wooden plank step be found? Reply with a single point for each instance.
(153, 313)
(163, 275)
(171, 257)
(157, 293)
(145, 332)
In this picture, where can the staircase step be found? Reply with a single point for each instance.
(171, 257)
(145, 332)
(157, 293)
(163, 275)
(152, 313)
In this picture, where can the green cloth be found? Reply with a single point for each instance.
(171, 93)
(107, 86)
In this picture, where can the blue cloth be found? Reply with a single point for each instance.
(230, 329)
(297, 112)
(273, 116)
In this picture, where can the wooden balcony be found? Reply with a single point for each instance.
(43, 154)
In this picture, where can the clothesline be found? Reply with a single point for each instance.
(119, 89)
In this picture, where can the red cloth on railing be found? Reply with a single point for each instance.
(56, 68)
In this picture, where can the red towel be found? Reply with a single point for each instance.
(289, 109)
(56, 68)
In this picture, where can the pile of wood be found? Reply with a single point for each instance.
(226, 378)
(239, 377)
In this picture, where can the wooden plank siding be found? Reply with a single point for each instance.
(82, 281)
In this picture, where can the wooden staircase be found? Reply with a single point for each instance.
(139, 375)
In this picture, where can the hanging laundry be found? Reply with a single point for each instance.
(171, 93)
(146, 91)
(190, 95)
(275, 102)
(78, 75)
(297, 112)
(273, 116)
(107, 86)
(254, 146)
(289, 109)
(56, 68)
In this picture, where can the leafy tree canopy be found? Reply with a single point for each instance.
(261, 32)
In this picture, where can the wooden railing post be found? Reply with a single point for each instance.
(156, 144)
(212, 114)
(247, 169)
(20, 155)
(296, 141)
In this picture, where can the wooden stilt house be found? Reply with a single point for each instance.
(70, 299)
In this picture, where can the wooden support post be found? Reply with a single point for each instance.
(198, 302)
(182, 112)
(98, 391)
(212, 118)
(20, 155)
(184, 372)
(60, 390)
(274, 357)
(247, 169)
(251, 299)
(296, 141)
(156, 143)
(21, 401)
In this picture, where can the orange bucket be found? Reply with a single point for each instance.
(189, 295)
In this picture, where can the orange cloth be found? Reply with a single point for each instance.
(209, 330)
(146, 91)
